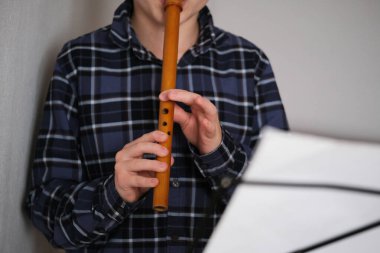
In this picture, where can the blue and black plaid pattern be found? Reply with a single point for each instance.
(104, 94)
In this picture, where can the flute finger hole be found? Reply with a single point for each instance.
(164, 123)
(165, 111)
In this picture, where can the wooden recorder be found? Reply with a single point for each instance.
(173, 9)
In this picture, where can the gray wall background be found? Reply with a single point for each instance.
(325, 55)
(32, 33)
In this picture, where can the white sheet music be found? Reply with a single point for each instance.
(281, 219)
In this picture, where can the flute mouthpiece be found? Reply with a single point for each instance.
(173, 2)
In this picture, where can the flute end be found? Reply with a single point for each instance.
(160, 209)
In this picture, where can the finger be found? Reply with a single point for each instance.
(140, 165)
(142, 182)
(179, 95)
(155, 136)
(138, 149)
(195, 101)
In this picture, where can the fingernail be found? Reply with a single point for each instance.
(163, 165)
(154, 181)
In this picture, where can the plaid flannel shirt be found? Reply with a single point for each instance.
(104, 94)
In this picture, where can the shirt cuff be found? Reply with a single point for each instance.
(113, 205)
(216, 162)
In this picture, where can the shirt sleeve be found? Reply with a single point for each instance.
(70, 210)
(224, 167)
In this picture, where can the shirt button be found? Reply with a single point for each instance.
(226, 182)
(175, 183)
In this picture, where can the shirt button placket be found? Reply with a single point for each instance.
(172, 230)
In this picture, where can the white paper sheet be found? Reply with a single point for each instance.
(280, 219)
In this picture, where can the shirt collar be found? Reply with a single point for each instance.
(123, 35)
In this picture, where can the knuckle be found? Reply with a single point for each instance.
(198, 99)
(214, 111)
(119, 155)
(117, 167)
(117, 180)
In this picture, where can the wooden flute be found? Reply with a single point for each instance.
(173, 9)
